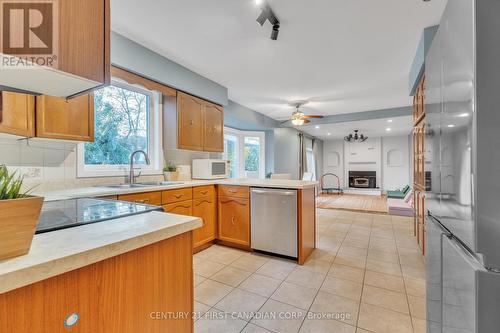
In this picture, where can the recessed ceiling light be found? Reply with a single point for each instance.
(463, 115)
(316, 127)
(329, 134)
(451, 126)
(389, 121)
(259, 2)
(388, 129)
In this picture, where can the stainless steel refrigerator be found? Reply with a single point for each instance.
(463, 137)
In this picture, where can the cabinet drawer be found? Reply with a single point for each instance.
(177, 195)
(203, 191)
(234, 191)
(150, 198)
(181, 208)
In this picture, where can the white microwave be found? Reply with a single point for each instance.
(210, 169)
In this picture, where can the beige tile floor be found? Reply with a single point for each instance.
(366, 275)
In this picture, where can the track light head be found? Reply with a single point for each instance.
(275, 32)
(262, 18)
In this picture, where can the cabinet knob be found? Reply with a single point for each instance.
(233, 222)
(191, 122)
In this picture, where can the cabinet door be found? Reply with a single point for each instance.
(84, 32)
(234, 220)
(181, 208)
(213, 136)
(58, 118)
(205, 208)
(190, 122)
(17, 114)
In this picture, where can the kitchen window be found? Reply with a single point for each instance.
(246, 152)
(126, 118)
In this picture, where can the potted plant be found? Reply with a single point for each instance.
(19, 213)
(170, 172)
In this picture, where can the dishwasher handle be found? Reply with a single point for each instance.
(284, 193)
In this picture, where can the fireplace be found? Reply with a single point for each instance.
(363, 179)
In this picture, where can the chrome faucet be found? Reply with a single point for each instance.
(132, 176)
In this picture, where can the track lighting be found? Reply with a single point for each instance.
(267, 14)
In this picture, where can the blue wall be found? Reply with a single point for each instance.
(245, 119)
(136, 58)
(418, 66)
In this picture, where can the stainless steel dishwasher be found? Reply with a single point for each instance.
(274, 220)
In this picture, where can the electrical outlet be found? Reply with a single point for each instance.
(33, 173)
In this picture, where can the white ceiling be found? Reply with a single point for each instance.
(343, 55)
(371, 128)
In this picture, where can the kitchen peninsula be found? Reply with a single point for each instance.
(127, 267)
(224, 205)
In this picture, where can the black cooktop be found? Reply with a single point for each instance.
(70, 213)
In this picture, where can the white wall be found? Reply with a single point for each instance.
(395, 162)
(364, 156)
(333, 160)
(388, 156)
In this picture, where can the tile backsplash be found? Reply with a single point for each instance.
(52, 165)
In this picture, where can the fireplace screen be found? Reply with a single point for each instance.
(363, 179)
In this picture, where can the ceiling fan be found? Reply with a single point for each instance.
(298, 117)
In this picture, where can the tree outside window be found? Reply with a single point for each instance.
(121, 126)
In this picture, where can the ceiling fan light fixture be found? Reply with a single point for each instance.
(298, 121)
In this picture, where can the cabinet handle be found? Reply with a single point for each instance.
(203, 201)
(204, 192)
(232, 191)
(142, 201)
(178, 196)
(231, 200)
(182, 206)
(191, 122)
(233, 222)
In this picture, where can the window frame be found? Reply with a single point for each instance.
(241, 150)
(154, 140)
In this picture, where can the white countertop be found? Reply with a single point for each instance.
(58, 252)
(98, 191)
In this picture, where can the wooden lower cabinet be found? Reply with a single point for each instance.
(206, 209)
(150, 198)
(181, 208)
(129, 293)
(234, 220)
(419, 218)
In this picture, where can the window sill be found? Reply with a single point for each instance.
(115, 173)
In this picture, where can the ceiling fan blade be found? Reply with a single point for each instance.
(309, 117)
(306, 121)
(286, 121)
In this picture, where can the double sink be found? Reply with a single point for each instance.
(142, 185)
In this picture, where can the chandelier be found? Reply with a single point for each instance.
(356, 137)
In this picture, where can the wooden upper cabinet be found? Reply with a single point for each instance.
(58, 118)
(213, 136)
(18, 114)
(190, 122)
(84, 39)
